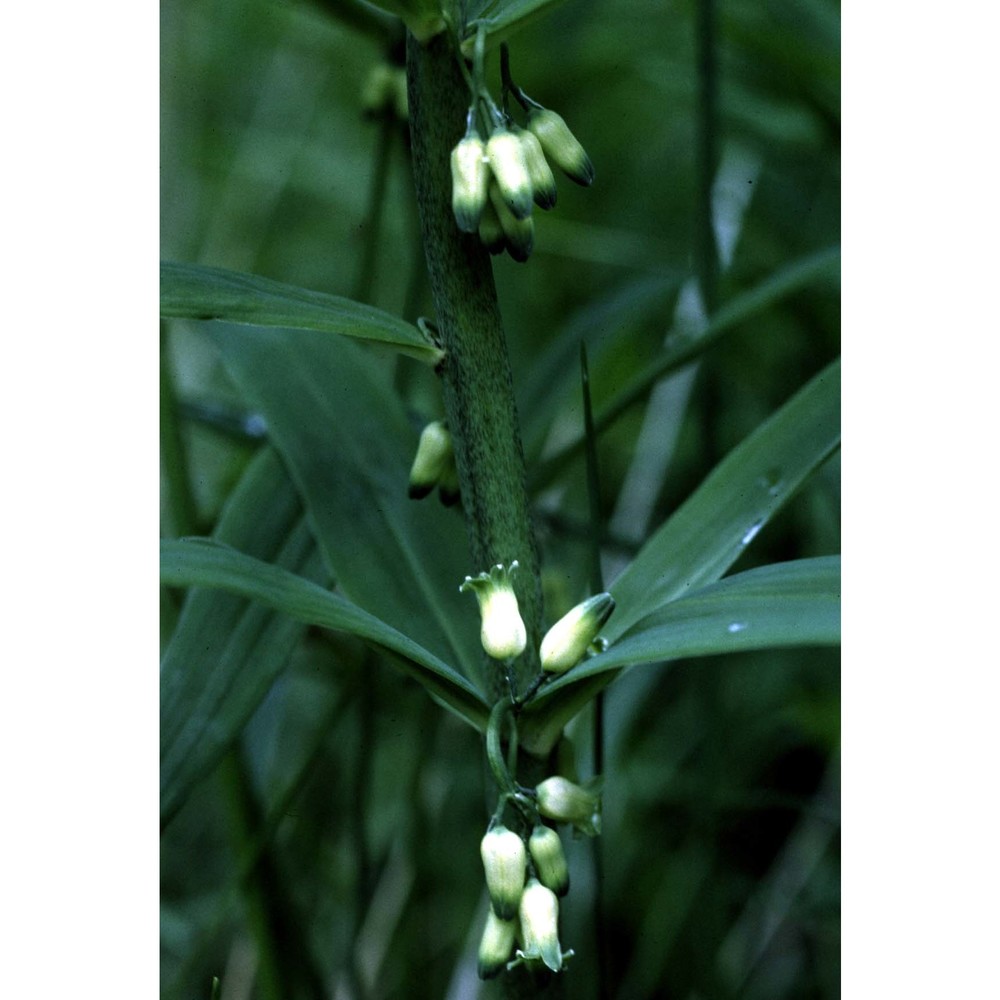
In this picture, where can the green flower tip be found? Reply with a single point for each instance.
(496, 945)
(470, 178)
(433, 459)
(569, 640)
(562, 147)
(505, 863)
(565, 802)
(506, 156)
(519, 234)
(547, 855)
(503, 634)
(539, 913)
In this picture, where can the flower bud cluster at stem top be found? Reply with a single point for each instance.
(496, 179)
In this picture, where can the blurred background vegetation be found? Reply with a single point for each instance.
(335, 851)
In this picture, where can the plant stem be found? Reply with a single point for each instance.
(183, 512)
(478, 388)
(707, 254)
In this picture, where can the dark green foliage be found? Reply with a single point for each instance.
(322, 814)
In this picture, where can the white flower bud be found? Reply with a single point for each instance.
(470, 177)
(566, 643)
(539, 913)
(505, 863)
(546, 852)
(519, 234)
(434, 455)
(506, 156)
(561, 800)
(491, 233)
(561, 145)
(543, 184)
(502, 633)
(496, 945)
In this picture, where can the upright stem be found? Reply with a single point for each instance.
(478, 389)
(707, 253)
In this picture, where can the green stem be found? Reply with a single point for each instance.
(494, 749)
(707, 255)
(478, 387)
(596, 587)
(363, 286)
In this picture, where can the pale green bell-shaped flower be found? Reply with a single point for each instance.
(547, 855)
(561, 800)
(470, 179)
(491, 233)
(519, 234)
(496, 945)
(539, 913)
(543, 184)
(561, 146)
(506, 156)
(434, 455)
(505, 862)
(567, 642)
(502, 633)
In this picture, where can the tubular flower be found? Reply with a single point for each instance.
(506, 156)
(434, 455)
(491, 233)
(566, 643)
(562, 147)
(448, 486)
(561, 800)
(470, 177)
(519, 234)
(543, 184)
(546, 852)
(496, 945)
(539, 913)
(505, 863)
(503, 633)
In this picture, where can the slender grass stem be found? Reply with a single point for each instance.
(173, 453)
(785, 282)
(596, 587)
(706, 251)
(363, 286)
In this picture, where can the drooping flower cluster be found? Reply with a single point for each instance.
(524, 883)
(526, 871)
(500, 169)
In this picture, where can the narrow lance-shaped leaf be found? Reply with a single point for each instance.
(713, 527)
(202, 562)
(680, 352)
(226, 653)
(197, 292)
(708, 533)
(785, 604)
(334, 416)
